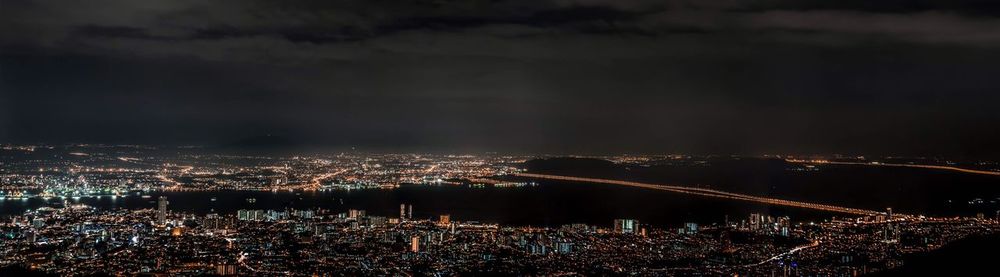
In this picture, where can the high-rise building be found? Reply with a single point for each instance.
(225, 269)
(405, 212)
(273, 215)
(250, 215)
(755, 221)
(626, 226)
(415, 243)
(212, 222)
(564, 247)
(891, 233)
(161, 212)
(784, 225)
(377, 221)
(355, 214)
(444, 219)
(304, 213)
(691, 228)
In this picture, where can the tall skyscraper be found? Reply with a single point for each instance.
(691, 228)
(212, 222)
(415, 243)
(755, 221)
(626, 226)
(161, 212)
(402, 211)
(355, 214)
(445, 219)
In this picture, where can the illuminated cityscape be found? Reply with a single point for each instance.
(67, 229)
(79, 239)
(499, 138)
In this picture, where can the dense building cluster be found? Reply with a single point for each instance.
(89, 170)
(78, 239)
(67, 238)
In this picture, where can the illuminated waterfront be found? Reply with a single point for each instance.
(109, 209)
(548, 204)
(312, 241)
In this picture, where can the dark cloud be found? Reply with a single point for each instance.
(894, 77)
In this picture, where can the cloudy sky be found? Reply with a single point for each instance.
(595, 76)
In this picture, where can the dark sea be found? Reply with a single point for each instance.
(552, 203)
(547, 204)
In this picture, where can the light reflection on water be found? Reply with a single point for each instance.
(549, 204)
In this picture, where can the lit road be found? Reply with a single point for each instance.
(786, 253)
(177, 186)
(315, 183)
(924, 166)
(709, 193)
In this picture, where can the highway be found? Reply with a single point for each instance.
(924, 166)
(786, 253)
(709, 193)
(315, 183)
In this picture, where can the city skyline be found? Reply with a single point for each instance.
(499, 137)
(130, 209)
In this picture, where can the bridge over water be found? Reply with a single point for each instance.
(710, 193)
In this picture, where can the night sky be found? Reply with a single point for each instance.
(587, 76)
